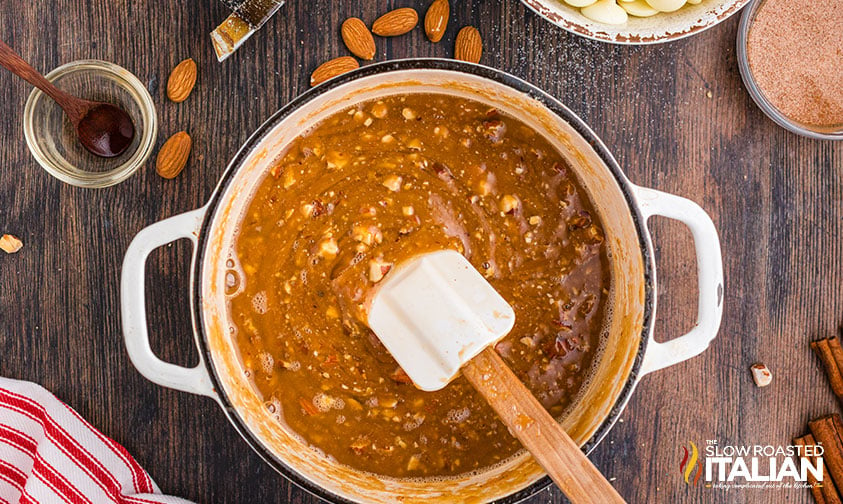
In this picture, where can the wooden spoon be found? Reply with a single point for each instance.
(538, 431)
(436, 315)
(105, 130)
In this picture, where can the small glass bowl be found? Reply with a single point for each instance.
(808, 130)
(52, 138)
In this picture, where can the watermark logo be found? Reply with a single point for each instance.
(691, 462)
(726, 466)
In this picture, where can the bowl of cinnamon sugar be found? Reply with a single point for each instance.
(790, 54)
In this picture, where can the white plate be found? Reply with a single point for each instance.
(662, 27)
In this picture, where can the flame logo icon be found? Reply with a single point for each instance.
(691, 461)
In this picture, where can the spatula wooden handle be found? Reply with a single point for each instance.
(537, 430)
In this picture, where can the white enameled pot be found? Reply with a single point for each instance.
(629, 352)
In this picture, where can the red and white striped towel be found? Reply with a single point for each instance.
(49, 454)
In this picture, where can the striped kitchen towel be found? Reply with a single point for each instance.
(49, 454)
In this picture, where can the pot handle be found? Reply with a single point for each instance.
(133, 306)
(709, 275)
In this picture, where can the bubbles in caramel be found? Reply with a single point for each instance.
(372, 186)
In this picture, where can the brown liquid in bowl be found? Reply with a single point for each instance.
(368, 188)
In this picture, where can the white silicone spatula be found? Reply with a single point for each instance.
(436, 315)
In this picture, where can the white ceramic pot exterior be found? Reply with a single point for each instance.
(630, 351)
(197, 381)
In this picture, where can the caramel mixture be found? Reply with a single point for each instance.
(372, 186)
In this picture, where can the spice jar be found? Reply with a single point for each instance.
(789, 54)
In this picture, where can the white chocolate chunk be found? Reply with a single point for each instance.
(328, 248)
(393, 183)
(606, 11)
(408, 113)
(638, 8)
(666, 5)
(579, 3)
(509, 203)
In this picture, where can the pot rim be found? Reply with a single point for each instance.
(455, 66)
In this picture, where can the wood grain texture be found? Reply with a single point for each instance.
(74, 107)
(538, 431)
(675, 116)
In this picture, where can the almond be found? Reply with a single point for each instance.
(181, 81)
(469, 46)
(436, 19)
(332, 68)
(173, 155)
(10, 243)
(396, 22)
(761, 375)
(358, 39)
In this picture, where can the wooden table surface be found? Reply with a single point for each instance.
(676, 116)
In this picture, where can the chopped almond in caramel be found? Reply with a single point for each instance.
(353, 197)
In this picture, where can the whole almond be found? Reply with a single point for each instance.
(358, 39)
(10, 243)
(396, 22)
(469, 46)
(173, 155)
(181, 81)
(332, 68)
(436, 19)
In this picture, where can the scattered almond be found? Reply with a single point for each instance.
(358, 39)
(10, 243)
(181, 81)
(396, 22)
(436, 19)
(469, 45)
(173, 155)
(761, 375)
(332, 68)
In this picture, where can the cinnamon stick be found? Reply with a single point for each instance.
(825, 492)
(831, 355)
(828, 431)
(836, 351)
